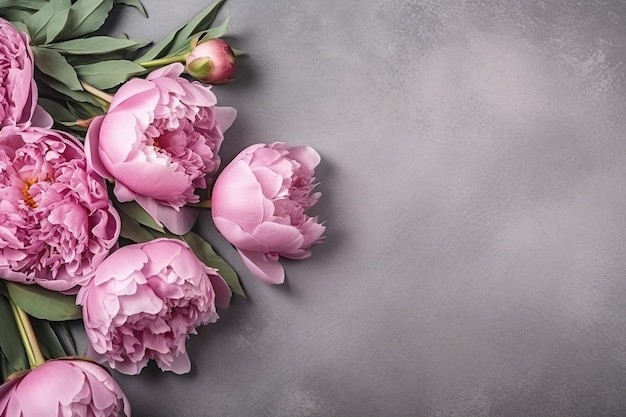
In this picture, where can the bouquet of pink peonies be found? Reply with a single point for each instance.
(109, 149)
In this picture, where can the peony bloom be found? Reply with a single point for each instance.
(259, 202)
(212, 62)
(144, 301)
(56, 220)
(18, 91)
(159, 141)
(64, 387)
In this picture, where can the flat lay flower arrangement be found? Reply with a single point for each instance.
(109, 150)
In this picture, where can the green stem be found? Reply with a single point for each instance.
(164, 61)
(33, 352)
(96, 92)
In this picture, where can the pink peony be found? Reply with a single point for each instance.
(259, 203)
(144, 301)
(56, 220)
(159, 141)
(212, 62)
(18, 91)
(64, 387)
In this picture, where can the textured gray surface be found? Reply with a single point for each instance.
(473, 186)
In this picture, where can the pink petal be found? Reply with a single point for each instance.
(6, 390)
(142, 302)
(239, 237)
(161, 253)
(123, 193)
(92, 144)
(137, 96)
(178, 221)
(170, 85)
(196, 94)
(270, 181)
(225, 117)
(57, 285)
(311, 231)
(41, 118)
(180, 365)
(238, 196)
(119, 135)
(278, 237)
(44, 380)
(101, 395)
(222, 291)
(305, 155)
(270, 271)
(159, 181)
(128, 367)
(120, 264)
(172, 71)
(268, 157)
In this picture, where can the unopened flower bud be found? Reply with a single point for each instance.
(211, 62)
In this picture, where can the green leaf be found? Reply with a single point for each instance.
(108, 74)
(36, 23)
(179, 38)
(200, 22)
(85, 110)
(3, 366)
(56, 66)
(132, 230)
(135, 211)
(48, 340)
(238, 52)
(156, 50)
(95, 45)
(59, 113)
(207, 255)
(25, 4)
(64, 336)
(20, 26)
(48, 21)
(42, 303)
(86, 16)
(61, 10)
(15, 15)
(10, 340)
(134, 3)
(216, 32)
(58, 88)
(213, 33)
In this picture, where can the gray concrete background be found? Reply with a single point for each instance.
(473, 179)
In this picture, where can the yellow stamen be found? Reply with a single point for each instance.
(28, 198)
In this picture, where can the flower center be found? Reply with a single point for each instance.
(28, 198)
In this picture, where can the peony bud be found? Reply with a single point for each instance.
(212, 62)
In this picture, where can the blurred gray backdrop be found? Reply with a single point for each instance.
(473, 176)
